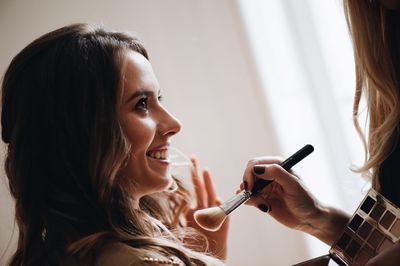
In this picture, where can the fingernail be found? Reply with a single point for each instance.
(263, 207)
(259, 169)
(245, 186)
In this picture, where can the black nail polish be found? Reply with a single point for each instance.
(263, 207)
(259, 169)
(245, 186)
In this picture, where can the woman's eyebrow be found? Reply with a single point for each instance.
(140, 92)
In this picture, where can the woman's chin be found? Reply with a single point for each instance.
(169, 182)
(164, 183)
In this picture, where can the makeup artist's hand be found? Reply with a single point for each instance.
(206, 197)
(388, 257)
(289, 202)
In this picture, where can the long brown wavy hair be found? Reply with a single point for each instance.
(375, 32)
(65, 150)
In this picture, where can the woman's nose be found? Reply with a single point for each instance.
(170, 125)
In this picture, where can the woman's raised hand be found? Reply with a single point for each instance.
(206, 197)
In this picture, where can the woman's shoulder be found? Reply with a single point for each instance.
(117, 253)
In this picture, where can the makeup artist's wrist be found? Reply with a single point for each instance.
(327, 224)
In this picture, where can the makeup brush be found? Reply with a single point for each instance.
(212, 218)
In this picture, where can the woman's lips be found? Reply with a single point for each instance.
(158, 154)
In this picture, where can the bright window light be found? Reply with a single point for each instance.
(304, 59)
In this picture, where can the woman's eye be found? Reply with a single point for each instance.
(160, 98)
(142, 104)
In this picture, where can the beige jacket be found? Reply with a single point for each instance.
(118, 254)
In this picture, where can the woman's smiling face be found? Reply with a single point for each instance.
(147, 125)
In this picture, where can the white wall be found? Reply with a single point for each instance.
(200, 55)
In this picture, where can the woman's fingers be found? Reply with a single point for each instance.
(248, 176)
(259, 202)
(204, 187)
(210, 188)
(194, 168)
(276, 173)
(268, 171)
(198, 185)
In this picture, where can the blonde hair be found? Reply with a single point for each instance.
(66, 149)
(375, 34)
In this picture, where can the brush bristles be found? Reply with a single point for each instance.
(210, 219)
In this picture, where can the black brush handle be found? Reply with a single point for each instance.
(287, 164)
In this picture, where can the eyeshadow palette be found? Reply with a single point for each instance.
(324, 260)
(374, 227)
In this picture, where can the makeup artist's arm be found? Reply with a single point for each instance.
(388, 257)
(290, 203)
(206, 197)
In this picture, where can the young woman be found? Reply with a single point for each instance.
(87, 157)
(374, 26)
